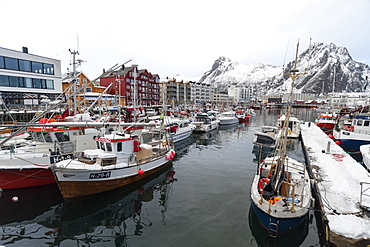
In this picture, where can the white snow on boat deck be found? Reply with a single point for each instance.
(338, 177)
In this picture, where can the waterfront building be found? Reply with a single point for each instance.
(176, 92)
(130, 84)
(28, 81)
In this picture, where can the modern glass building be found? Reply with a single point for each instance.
(26, 80)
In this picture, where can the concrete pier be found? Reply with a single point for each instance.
(337, 179)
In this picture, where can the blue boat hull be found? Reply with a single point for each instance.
(283, 224)
(352, 145)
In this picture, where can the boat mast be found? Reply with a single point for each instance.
(294, 73)
(74, 80)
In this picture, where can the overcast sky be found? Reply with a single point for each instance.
(169, 37)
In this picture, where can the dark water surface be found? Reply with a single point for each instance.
(202, 200)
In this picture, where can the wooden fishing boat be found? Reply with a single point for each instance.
(118, 160)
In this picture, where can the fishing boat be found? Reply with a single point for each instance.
(205, 122)
(281, 188)
(294, 125)
(266, 140)
(28, 165)
(120, 159)
(228, 117)
(350, 138)
(242, 116)
(326, 122)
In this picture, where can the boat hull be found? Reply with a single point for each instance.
(79, 183)
(244, 119)
(23, 178)
(326, 127)
(181, 136)
(351, 141)
(206, 127)
(284, 224)
(228, 121)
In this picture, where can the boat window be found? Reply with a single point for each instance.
(39, 137)
(208, 121)
(366, 123)
(62, 136)
(102, 146)
(359, 122)
(98, 145)
(119, 146)
(109, 147)
(47, 137)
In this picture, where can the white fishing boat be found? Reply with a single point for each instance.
(281, 188)
(119, 159)
(266, 140)
(205, 122)
(294, 125)
(228, 117)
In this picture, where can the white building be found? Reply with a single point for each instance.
(27, 79)
(240, 94)
(349, 99)
(201, 92)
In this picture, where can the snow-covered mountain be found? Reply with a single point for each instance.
(324, 64)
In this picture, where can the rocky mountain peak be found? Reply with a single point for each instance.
(326, 66)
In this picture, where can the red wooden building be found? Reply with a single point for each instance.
(127, 80)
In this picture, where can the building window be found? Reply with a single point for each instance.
(25, 65)
(37, 83)
(4, 81)
(11, 63)
(37, 67)
(28, 83)
(48, 69)
(2, 64)
(49, 84)
(13, 81)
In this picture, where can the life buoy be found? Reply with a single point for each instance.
(262, 183)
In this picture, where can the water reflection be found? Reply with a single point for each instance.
(182, 147)
(229, 127)
(34, 218)
(207, 138)
(103, 218)
(116, 213)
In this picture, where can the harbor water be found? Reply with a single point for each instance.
(202, 200)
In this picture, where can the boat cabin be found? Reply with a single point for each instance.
(361, 124)
(65, 139)
(203, 118)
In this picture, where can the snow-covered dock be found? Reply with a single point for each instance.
(338, 177)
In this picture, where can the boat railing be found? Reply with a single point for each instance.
(364, 202)
(154, 156)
